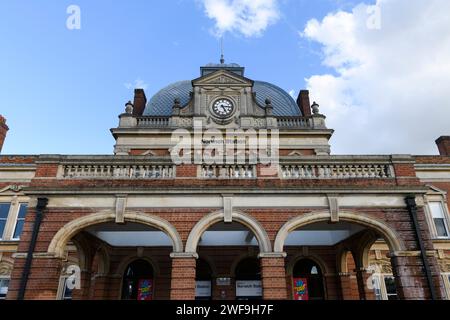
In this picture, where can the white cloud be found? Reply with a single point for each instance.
(389, 92)
(248, 17)
(292, 94)
(138, 84)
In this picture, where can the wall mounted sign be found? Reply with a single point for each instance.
(145, 289)
(300, 289)
(250, 288)
(223, 281)
(202, 289)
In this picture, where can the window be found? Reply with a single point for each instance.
(438, 215)
(384, 286)
(4, 284)
(4, 211)
(20, 221)
(391, 289)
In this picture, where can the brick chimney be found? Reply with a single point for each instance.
(140, 101)
(3, 130)
(443, 144)
(304, 103)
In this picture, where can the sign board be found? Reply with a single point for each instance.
(203, 289)
(301, 289)
(251, 288)
(145, 289)
(223, 281)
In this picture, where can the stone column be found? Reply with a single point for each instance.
(362, 276)
(273, 273)
(182, 285)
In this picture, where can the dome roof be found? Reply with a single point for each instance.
(161, 103)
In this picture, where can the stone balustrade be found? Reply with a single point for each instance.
(155, 122)
(294, 122)
(120, 171)
(243, 171)
(336, 171)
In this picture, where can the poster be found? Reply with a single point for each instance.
(145, 289)
(301, 289)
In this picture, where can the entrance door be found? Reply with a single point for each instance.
(248, 280)
(308, 281)
(203, 281)
(138, 281)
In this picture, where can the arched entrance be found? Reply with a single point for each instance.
(308, 280)
(110, 254)
(342, 251)
(203, 281)
(138, 281)
(248, 280)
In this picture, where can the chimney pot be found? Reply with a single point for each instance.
(443, 144)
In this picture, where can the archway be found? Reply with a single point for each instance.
(245, 220)
(58, 244)
(344, 247)
(102, 245)
(137, 283)
(248, 279)
(308, 280)
(243, 237)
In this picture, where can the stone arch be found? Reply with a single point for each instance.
(323, 266)
(129, 259)
(341, 260)
(59, 241)
(242, 218)
(392, 238)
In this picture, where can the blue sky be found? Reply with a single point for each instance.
(61, 90)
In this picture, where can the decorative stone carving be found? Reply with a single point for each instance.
(14, 188)
(129, 108)
(444, 265)
(5, 269)
(315, 108)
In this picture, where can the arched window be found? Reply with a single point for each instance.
(308, 281)
(203, 281)
(138, 281)
(248, 280)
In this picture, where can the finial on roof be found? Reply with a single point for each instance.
(222, 60)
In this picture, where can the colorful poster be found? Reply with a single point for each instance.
(145, 289)
(301, 289)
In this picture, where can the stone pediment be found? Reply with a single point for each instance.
(221, 78)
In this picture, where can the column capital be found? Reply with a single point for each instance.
(272, 255)
(184, 255)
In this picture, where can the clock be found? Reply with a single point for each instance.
(223, 108)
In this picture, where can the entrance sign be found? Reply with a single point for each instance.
(145, 289)
(203, 289)
(249, 288)
(301, 289)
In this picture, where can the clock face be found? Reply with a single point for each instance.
(223, 108)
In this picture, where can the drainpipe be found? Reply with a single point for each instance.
(41, 205)
(412, 208)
